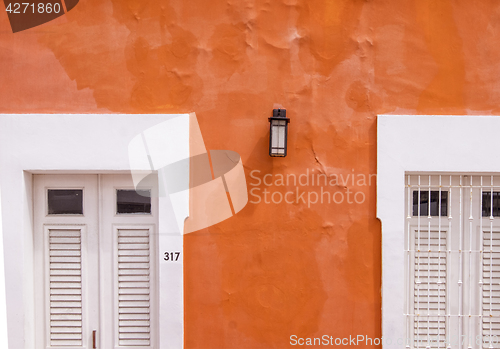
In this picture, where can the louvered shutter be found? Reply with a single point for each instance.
(134, 327)
(429, 299)
(65, 273)
(491, 289)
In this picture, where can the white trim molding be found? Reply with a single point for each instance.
(416, 143)
(77, 143)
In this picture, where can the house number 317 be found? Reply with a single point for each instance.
(171, 256)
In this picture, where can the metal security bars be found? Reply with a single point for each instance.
(452, 261)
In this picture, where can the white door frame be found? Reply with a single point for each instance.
(77, 143)
(421, 143)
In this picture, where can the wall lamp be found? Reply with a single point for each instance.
(278, 133)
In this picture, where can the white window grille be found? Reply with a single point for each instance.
(452, 262)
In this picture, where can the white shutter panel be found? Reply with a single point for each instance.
(134, 288)
(491, 289)
(65, 273)
(430, 289)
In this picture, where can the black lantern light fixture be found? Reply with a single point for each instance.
(278, 133)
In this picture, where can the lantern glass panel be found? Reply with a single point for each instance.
(275, 136)
(282, 136)
(278, 133)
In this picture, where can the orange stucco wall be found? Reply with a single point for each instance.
(273, 270)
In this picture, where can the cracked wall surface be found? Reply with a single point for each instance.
(273, 270)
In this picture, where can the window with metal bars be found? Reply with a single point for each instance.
(452, 247)
(438, 202)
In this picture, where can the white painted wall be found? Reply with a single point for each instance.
(49, 143)
(417, 143)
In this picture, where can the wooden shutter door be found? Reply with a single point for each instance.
(130, 241)
(95, 269)
(66, 265)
